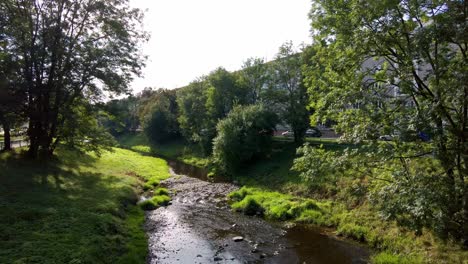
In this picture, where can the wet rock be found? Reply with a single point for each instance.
(217, 258)
(199, 256)
(263, 255)
(237, 239)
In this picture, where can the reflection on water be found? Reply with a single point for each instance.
(198, 228)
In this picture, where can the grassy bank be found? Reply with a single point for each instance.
(393, 244)
(77, 209)
(173, 150)
(272, 190)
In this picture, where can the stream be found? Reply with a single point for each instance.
(198, 227)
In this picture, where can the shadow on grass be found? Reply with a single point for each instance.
(58, 212)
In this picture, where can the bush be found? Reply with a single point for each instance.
(161, 127)
(245, 134)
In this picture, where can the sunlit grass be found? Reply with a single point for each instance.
(76, 209)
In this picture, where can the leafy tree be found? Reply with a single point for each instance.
(194, 121)
(82, 130)
(11, 98)
(69, 50)
(121, 115)
(245, 134)
(223, 93)
(400, 67)
(160, 121)
(288, 91)
(254, 76)
(206, 101)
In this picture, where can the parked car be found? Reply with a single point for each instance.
(288, 134)
(386, 138)
(313, 132)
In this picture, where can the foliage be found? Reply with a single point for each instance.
(120, 116)
(160, 117)
(245, 134)
(254, 76)
(81, 131)
(77, 208)
(68, 52)
(316, 165)
(287, 91)
(399, 67)
(193, 119)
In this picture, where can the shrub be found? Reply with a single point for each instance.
(245, 134)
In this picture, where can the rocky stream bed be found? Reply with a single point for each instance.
(199, 227)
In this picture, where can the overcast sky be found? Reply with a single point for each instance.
(190, 38)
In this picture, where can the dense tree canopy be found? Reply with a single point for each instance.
(245, 134)
(159, 117)
(67, 51)
(288, 92)
(400, 67)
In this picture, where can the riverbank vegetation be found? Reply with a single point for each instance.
(390, 77)
(274, 191)
(75, 208)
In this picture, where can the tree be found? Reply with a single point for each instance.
(206, 101)
(12, 99)
(289, 91)
(160, 117)
(245, 134)
(194, 121)
(120, 116)
(69, 50)
(400, 67)
(254, 76)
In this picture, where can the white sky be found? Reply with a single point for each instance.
(190, 38)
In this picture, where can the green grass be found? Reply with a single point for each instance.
(155, 202)
(77, 209)
(278, 206)
(274, 191)
(178, 150)
(271, 189)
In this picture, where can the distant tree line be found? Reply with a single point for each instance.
(198, 112)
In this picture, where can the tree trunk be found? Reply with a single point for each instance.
(7, 137)
(34, 140)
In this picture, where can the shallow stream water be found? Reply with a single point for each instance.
(199, 227)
